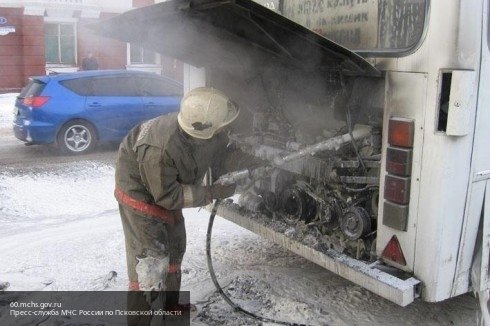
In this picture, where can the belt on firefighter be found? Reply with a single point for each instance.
(145, 208)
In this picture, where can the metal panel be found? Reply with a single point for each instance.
(484, 271)
(481, 151)
(468, 239)
(480, 170)
(461, 104)
(227, 33)
(395, 216)
(446, 160)
(401, 292)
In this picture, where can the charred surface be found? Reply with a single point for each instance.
(322, 154)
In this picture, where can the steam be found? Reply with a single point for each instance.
(295, 84)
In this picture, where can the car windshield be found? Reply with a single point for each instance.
(389, 26)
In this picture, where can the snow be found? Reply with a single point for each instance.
(6, 112)
(60, 230)
(80, 182)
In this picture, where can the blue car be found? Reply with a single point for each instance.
(75, 111)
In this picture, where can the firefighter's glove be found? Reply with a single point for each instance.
(221, 192)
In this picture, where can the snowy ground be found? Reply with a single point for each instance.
(60, 230)
(6, 112)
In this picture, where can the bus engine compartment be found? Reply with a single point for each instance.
(320, 179)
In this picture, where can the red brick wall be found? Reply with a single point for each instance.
(22, 52)
(110, 54)
(33, 46)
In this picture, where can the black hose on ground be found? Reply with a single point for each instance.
(215, 281)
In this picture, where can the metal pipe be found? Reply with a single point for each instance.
(360, 131)
(359, 179)
(232, 177)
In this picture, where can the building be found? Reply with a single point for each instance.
(39, 37)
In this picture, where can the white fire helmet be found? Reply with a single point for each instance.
(205, 110)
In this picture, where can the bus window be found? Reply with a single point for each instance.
(370, 26)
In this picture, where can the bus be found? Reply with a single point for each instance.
(370, 116)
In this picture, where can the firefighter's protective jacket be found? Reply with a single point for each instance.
(159, 164)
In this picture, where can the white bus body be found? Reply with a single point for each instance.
(439, 86)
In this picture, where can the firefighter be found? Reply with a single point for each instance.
(160, 167)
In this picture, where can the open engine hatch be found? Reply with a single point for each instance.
(210, 33)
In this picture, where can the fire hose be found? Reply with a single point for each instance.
(220, 290)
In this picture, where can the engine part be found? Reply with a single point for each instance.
(281, 180)
(322, 187)
(328, 214)
(359, 132)
(237, 176)
(355, 223)
(232, 177)
(298, 205)
(271, 202)
(360, 180)
(251, 202)
(374, 203)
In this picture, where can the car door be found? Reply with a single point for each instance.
(159, 95)
(114, 106)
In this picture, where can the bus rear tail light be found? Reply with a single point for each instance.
(399, 161)
(393, 252)
(399, 170)
(401, 132)
(397, 189)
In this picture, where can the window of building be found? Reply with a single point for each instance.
(369, 26)
(60, 43)
(139, 55)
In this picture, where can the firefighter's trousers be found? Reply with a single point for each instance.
(154, 250)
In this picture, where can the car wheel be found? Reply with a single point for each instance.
(76, 137)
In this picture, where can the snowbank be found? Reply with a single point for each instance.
(7, 102)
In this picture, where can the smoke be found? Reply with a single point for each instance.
(260, 66)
